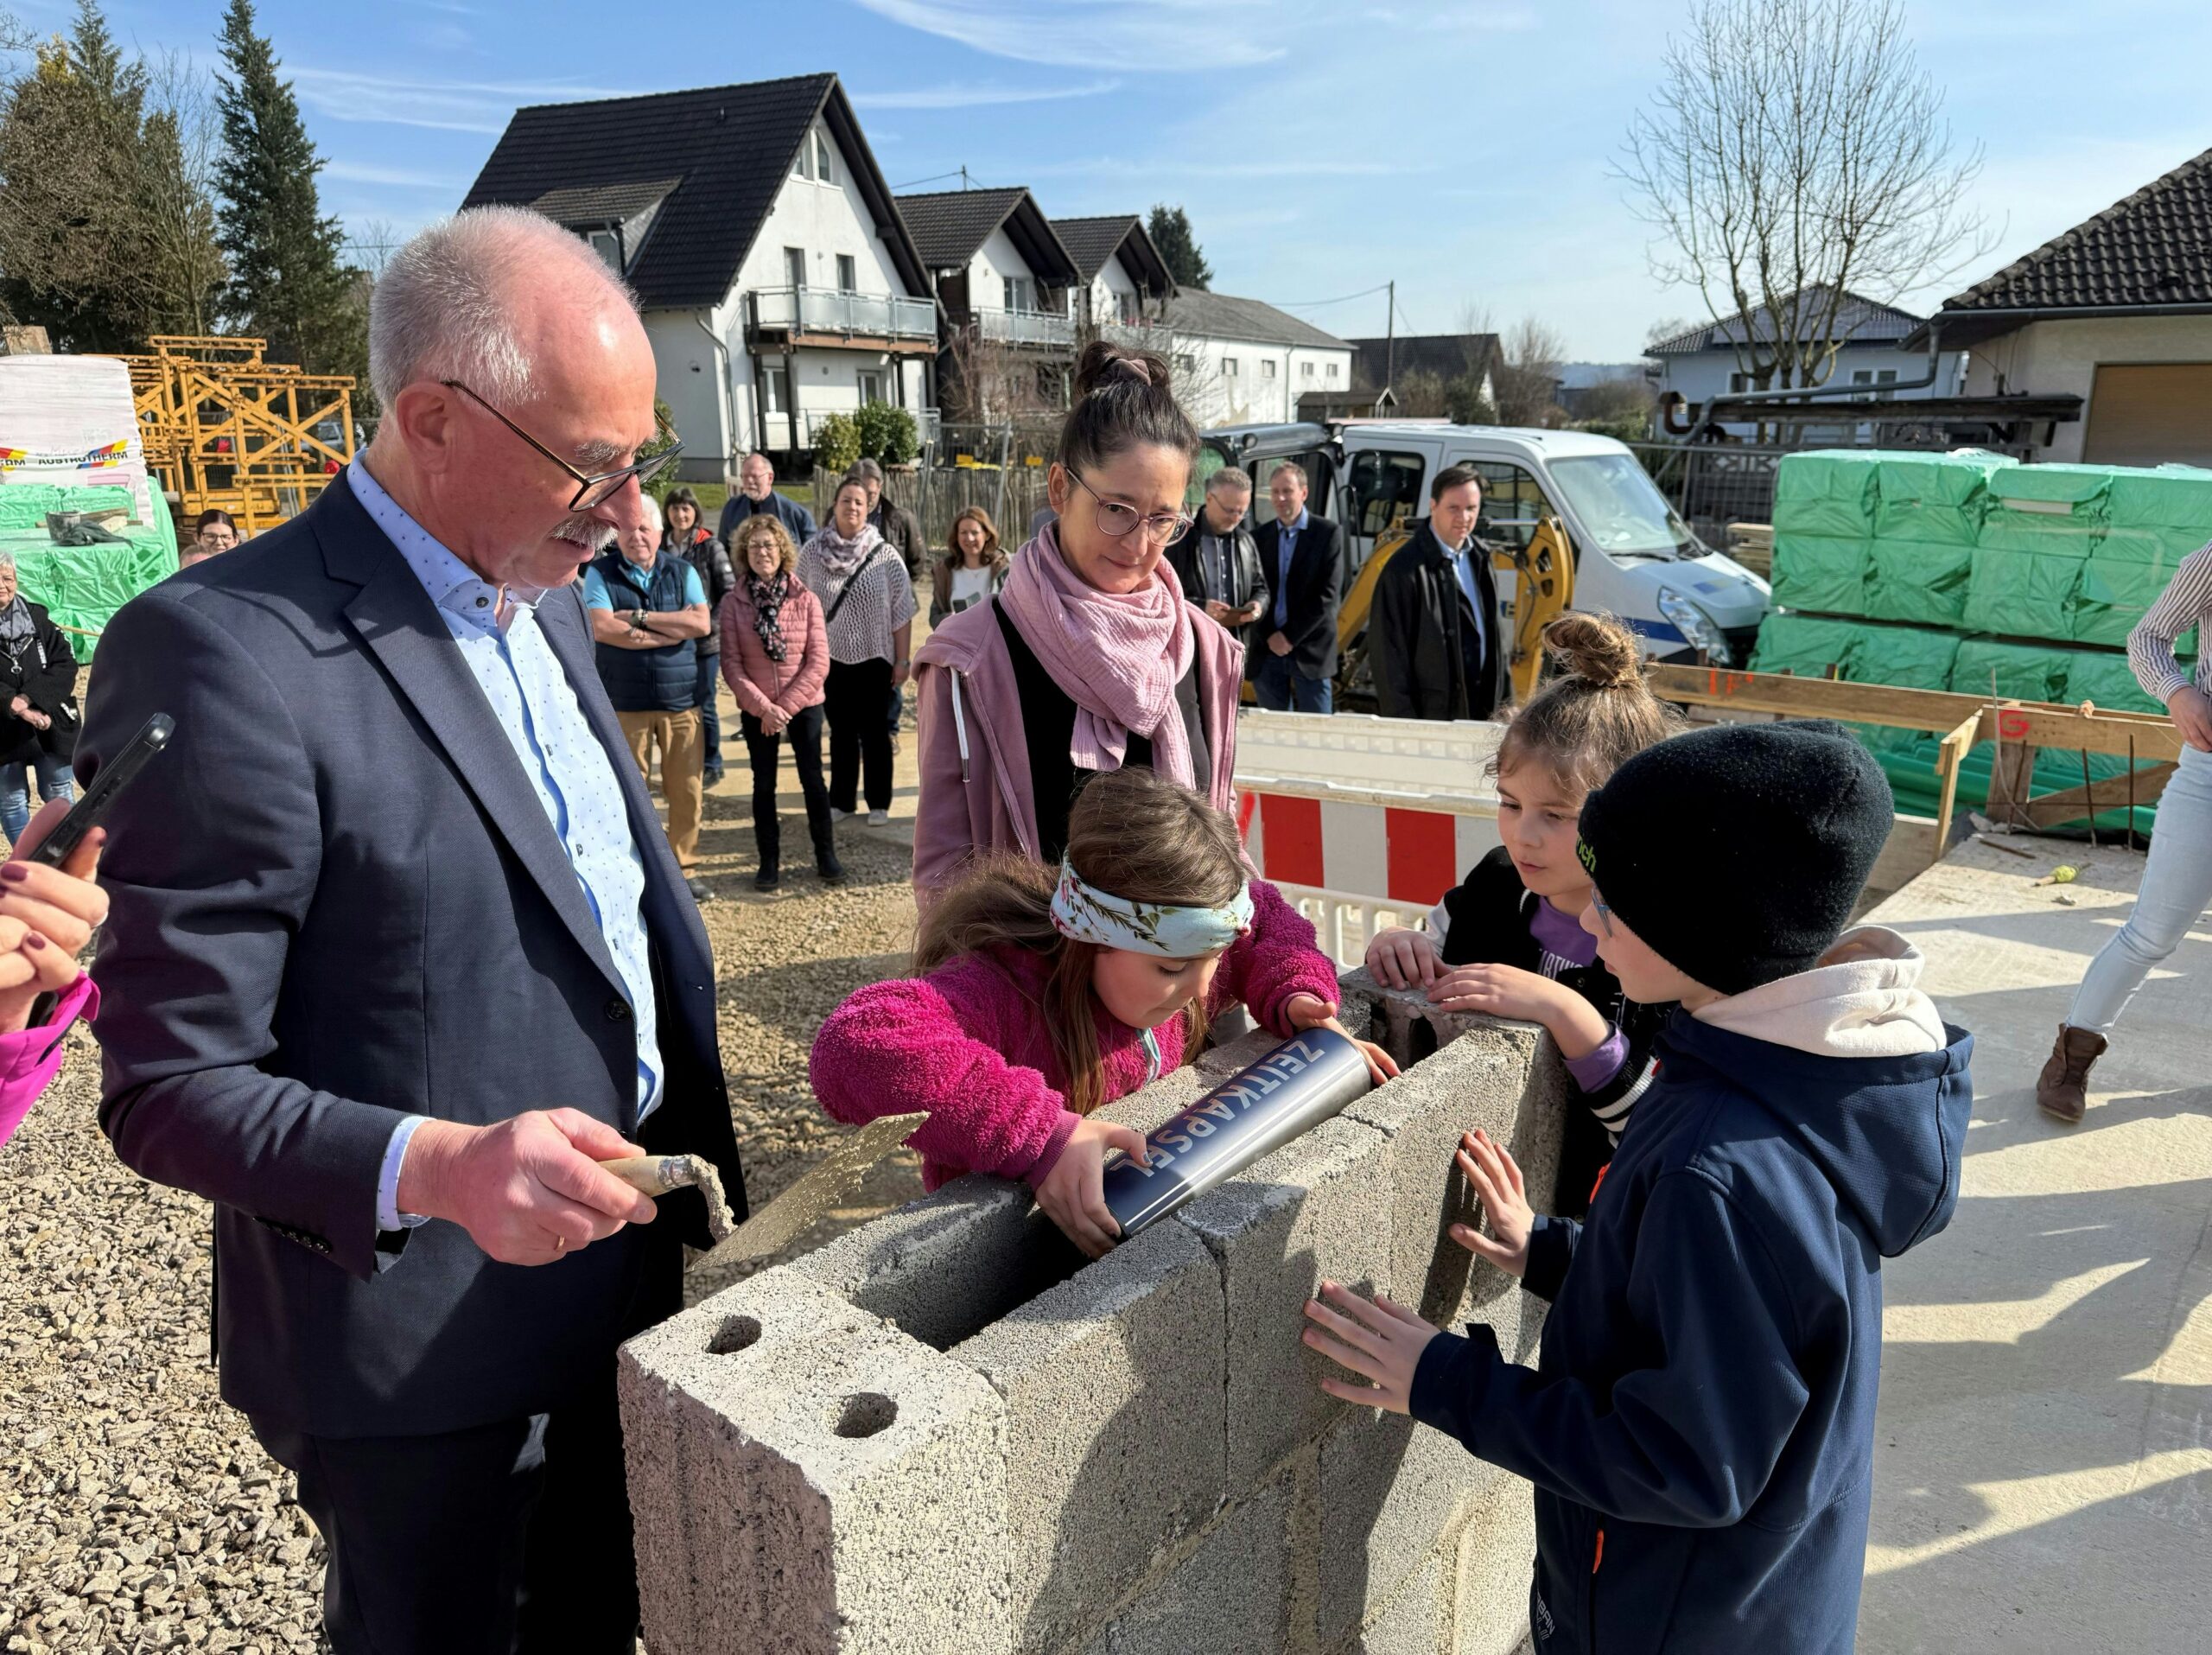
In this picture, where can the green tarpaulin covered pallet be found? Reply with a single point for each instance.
(1820, 573)
(82, 586)
(1936, 499)
(1825, 491)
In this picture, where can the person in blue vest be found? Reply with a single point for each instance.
(648, 612)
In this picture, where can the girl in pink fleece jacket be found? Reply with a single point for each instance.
(46, 916)
(1045, 993)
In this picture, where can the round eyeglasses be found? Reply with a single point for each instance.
(1118, 521)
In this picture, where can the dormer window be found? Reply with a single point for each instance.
(607, 244)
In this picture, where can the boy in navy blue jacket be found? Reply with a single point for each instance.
(1699, 1428)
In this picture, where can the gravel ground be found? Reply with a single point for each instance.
(139, 1513)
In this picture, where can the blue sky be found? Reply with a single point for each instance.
(1322, 147)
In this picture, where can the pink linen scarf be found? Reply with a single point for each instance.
(1119, 656)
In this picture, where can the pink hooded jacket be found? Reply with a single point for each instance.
(976, 793)
(31, 1056)
(967, 1043)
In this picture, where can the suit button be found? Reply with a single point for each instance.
(618, 1010)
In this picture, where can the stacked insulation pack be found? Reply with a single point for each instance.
(1972, 573)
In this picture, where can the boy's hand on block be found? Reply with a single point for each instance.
(1401, 957)
(1306, 1011)
(1497, 1184)
(1073, 1193)
(1381, 1342)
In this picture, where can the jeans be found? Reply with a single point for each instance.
(2177, 888)
(710, 721)
(54, 783)
(677, 736)
(805, 734)
(860, 739)
(1278, 684)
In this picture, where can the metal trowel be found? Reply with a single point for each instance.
(790, 1214)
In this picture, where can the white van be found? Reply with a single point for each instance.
(1634, 556)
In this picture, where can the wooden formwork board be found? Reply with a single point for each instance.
(2018, 728)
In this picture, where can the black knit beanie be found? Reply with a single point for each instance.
(1737, 851)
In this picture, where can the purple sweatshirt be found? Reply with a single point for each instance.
(967, 1043)
(1565, 946)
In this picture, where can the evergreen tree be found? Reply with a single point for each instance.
(106, 236)
(287, 284)
(1170, 230)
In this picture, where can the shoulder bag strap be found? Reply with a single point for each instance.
(844, 591)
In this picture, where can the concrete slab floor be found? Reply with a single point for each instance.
(2043, 1455)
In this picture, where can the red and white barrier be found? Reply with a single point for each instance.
(1364, 822)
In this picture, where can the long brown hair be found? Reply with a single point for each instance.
(1129, 833)
(993, 553)
(1597, 714)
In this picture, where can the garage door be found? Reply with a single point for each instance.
(2145, 414)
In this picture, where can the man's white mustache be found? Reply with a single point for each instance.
(588, 532)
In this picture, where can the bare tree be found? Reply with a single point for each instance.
(1795, 151)
(1528, 383)
(184, 267)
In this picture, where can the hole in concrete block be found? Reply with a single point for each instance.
(942, 1297)
(866, 1414)
(736, 1334)
(1421, 1042)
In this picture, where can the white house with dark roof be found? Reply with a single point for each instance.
(778, 282)
(1242, 362)
(1705, 362)
(1002, 280)
(1124, 278)
(2117, 311)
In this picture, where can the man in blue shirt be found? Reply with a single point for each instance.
(1303, 555)
(648, 613)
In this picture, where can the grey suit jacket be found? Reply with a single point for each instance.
(336, 901)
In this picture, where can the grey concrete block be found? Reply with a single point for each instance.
(1390, 1489)
(1222, 1061)
(806, 1479)
(1416, 1621)
(1497, 1561)
(1229, 1597)
(1172, 1093)
(1317, 1207)
(1114, 1390)
(947, 1266)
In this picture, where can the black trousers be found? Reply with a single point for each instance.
(860, 737)
(710, 723)
(510, 1539)
(805, 734)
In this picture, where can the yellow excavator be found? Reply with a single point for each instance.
(1543, 588)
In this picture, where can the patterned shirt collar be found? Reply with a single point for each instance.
(452, 585)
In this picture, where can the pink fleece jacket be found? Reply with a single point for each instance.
(967, 1043)
(30, 1057)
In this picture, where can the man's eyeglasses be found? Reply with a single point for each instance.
(592, 489)
(1118, 521)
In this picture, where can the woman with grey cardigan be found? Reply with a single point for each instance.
(2177, 877)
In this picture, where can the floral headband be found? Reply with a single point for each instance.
(1089, 915)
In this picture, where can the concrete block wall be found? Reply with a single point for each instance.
(947, 1430)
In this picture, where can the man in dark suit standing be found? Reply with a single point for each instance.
(1432, 639)
(1303, 556)
(398, 954)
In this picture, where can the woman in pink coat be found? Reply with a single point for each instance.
(775, 659)
(1089, 659)
(46, 916)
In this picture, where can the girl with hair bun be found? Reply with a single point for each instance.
(1088, 659)
(1509, 939)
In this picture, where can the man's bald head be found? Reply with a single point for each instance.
(547, 341)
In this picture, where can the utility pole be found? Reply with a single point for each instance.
(1390, 344)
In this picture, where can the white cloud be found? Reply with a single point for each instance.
(1154, 35)
(449, 105)
(354, 172)
(968, 96)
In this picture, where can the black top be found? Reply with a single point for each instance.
(1048, 730)
(1491, 911)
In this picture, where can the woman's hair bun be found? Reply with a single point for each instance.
(1598, 649)
(1102, 365)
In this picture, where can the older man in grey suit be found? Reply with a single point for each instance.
(399, 955)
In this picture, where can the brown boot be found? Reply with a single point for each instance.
(2063, 1087)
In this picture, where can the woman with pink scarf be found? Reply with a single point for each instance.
(1089, 658)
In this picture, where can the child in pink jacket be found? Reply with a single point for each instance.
(46, 916)
(1045, 993)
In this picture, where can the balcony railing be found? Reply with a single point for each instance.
(1027, 328)
(827, 310)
